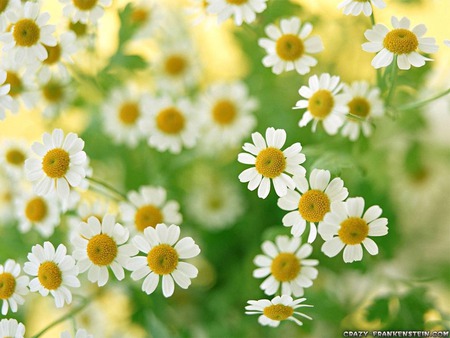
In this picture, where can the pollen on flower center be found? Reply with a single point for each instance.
(15, 82)
(139, 16)
(26, 33)
(7, 285)
(175, 65)
(290, 47)
(53, 92)
(15, 157)
(147, 216)
(278, 312)
(129, 112)
(314, 205)
(36, 209)
(270, 162)
(85, 5)
(54, 54)
(224, 112)
(285, 267)
(321, 103)
(359, 106)
(162, 259)
(56, 163)
(353, 230)
(78, 28)
(101, 249)
(50, 275)
(400, 41)
(3, 4)
(170, 120)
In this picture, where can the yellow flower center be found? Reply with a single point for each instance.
(78, 28)
(101, 249)
(162, 259)
(3, 4)
(215, 203)
(175, 65)
(224, 112)
(353, 230)
(53, 92)
(7, 285)
(290, 47)
(205, 4)
(321, 104)
(400, 41)
(139, 15)
(237, 2)
(36, 209)
(278, 312)
(270, 162)
(147, 216)
(129, 113)
(285, 267)
(15, 157)
(85, 5)
(359, 106)
(170, 120)
(313, 205)
(26, 33)
(56, 163)
(15, 83)
(50, 275)
(54, 54)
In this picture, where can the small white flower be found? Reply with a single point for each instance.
(102, 245)
(289, 46)
(11, 328)
(400, 42)
(355, 7)
(274, 311)
(85, 11)
(165, 253)
(346, 226)
(285, 263)
(323, 103)
(54, 270)
(12, 156)
(148, 16)
(12, 286)
(271, 163)
(197, 12)
(56, 94)
(312, 203)
(241, 10)
(81, 333)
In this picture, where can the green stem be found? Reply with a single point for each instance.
(393, 80)
(424, 102)
(108, 187)
(372, 17)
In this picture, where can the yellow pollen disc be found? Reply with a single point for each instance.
(224, 112)
(15, 157)
(270, 162)
(3, 4)
(353, 230)
(147, 216)
(85, 5)
(7, 285)
(56, 163)
(290, 47)
(285, 267)
(26, 33)
(101, 249)
(215, 203)
(36, 209)
(175, 65)
(359, 106)
(15, 83)
(129, 113)
(78, 28)
(170, 120)
(54, 54)
(162, 259)
(313, 205)
(278, 312)
(139, 16)
(321, 104)
(237, 2)
(53, 92)
(400, 41)
(50, 275)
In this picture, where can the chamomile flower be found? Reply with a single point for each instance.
(12, 157)
(288, 46)
(240, 10)
(81, 333)
(355, 7)
(197, 11)
(11, 328)
(28, 34)
(148, 208)
(13, 287)
(285, 263)
(7, 195)
(271, 163)
(85, 11)
(364, 104)
(400, 42)
(312, 201)
(54, 270)
(102, 245)
(274, 311)
(6, 100)
(345, 227)
(148, 16)
(323, 103)
(165, 253)
(61, 164)
(55, 93)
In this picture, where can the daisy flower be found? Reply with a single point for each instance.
(84, 11)
(12, 156)
(355, 7)
(274, 311)
(271, 163)
(81, 333)
(148, 16)
(55, 93)
(149, 207)
(6, 101)
(197, 11)
(165, 253)
(12, 286)
(241, 10)
(365, 103)
(323, 103)
(346, 226)
(289, 46)
(102, 245)
(7, 194)
(60, 166)
(11, 328)
(28, 34)
(285, 263)
(312, 202)
(399, 42)
(54, 270)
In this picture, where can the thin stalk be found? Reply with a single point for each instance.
(372, 20)
(107, 186)
(418, 104)
(393, 80)
(372, 17)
